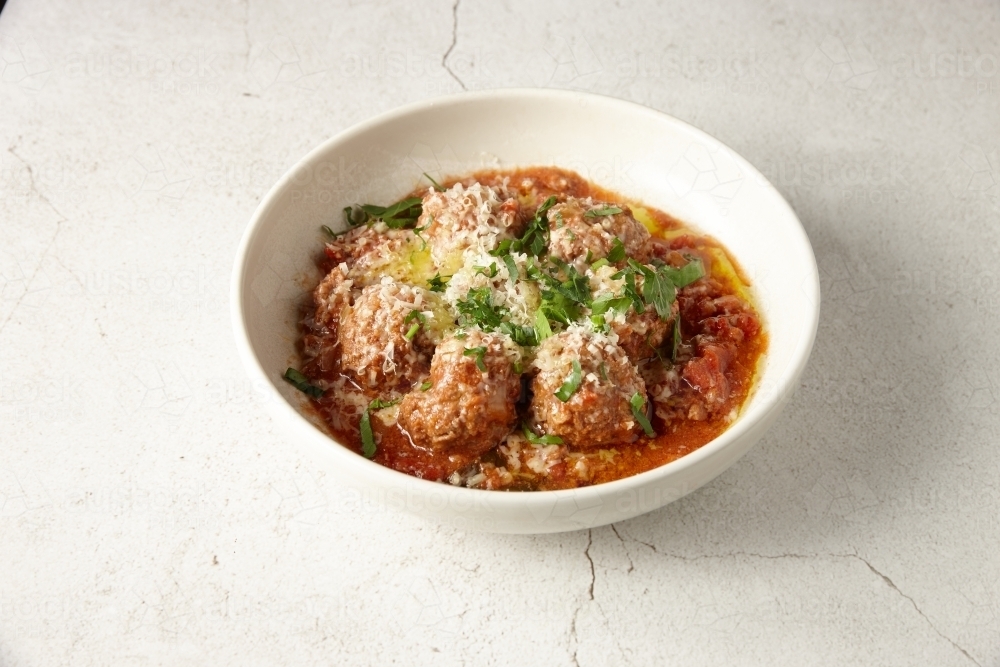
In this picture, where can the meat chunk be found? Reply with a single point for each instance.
(462, 217)
(640, 334)
(598, 412)
(573, 232)
(369, 253)
(331, 296)
(471, 403)
(375, 344)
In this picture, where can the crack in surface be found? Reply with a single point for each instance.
(853, 556)
(631, 565)
(451, 47)
(48, 247)
(246, 31)
(893, 586)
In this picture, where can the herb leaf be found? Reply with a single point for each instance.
(659, 290)
(478, 353)
(599, 212)
(437, 186)
(685, 275)
(536, 439)
(637, 402)
(438, 282)
(542, 328)
(379, 404)
(511, 267)
(535, 239)
(478, 308)
(424, 386)
(677, 338)
(400, 215)
(569, 387)
(301, 382)
(420, 319)
(367, 436)
(617, 252)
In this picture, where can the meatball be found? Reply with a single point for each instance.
(467, 410)
(572, 233)
(464, 217)
(599, 411)
(375, 345)
(640, 334)
(369, 253)
(331, 296)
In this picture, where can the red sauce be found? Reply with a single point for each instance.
(722, 342)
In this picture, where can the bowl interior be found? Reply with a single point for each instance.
(637, 152)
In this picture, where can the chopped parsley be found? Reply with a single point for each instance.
(542, 328)
(424, 386)
(535, 239)
(637, 402)
(685, 275)
(603, 261)
(536, 439)
(488, 271)
(477, 308)
(301, 382)
(367, 435)
(420, 319)
(569, 387)
(479, 353)
(438, 283)
(600, 212)
(617, 252)
(677, 339)
(511, 267)
(401, 215)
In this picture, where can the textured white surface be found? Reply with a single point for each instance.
(148, 514)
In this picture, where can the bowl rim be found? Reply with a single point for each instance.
(498, 500)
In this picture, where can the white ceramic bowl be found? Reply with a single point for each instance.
(635, 151)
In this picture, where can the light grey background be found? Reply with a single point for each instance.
(150, 514)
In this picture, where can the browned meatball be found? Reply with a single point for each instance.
(640, 334)
(373, 334)
(467, 410)
(331, 296)
(461, 217)
(573, 233)
(598, 412)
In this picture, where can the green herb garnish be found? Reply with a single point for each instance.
(424, 386)
(570, 386)
(437, 186)
(685, 275)
(637, 403)
(367, 436)
(478, 308)
(301, 382)
(600, 212)
(617, 252)
(542, 328)
(438, 283)
(479, 353)
(603, 261)
(535, 239)
(488, 271)
(536, 439)
(420, 319)
(511, 267)
(677, 339)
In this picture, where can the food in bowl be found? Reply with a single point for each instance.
(525, 330)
